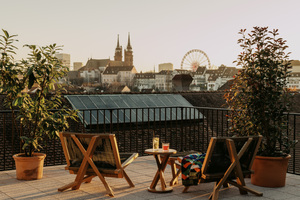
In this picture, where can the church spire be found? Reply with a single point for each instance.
(129, 45)
(118, 52)
(128, 53)
(118, 44)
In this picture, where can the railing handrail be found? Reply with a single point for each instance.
(152, 107)
(121, 108)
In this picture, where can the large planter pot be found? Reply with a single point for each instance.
(29, 168)
(269, 171)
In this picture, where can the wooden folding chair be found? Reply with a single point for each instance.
(90, 155)
(229, 158)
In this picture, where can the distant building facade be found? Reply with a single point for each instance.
(183, 80)
(144, 81)
(163, 81)
(295, 66)
(77, 66)
(91, 72)
(120, 74)
(119, 71)
(165, 66)
(64, 58)
(215, 78)
(199, 81)
(293, 81)
(107, 72)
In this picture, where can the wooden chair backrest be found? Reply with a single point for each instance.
(106, 154)
(217, 158)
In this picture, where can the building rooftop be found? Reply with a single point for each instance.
(212, 77)
(295, 62)
(115, 70)
(230, 72)
(141, 171)
(93, 64)
(164, 72)
(114, 63)
(200, 70)
(122, 103)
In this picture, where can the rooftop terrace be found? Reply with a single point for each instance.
(141, 171)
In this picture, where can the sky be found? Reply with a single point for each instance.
(161, 31)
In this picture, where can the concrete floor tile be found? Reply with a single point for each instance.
(141, 172)
(278, 195)
(290, 190)
(5, 196)
(245, 197)
(292, 181)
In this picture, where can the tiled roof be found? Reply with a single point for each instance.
(115, 70)
(210, 71)
(212, 78)
(183, 77)
(95, 64)
(230, 72)
(113, 63)
(227, 85)
(164, 72)
(181, 70)
(200, 70)
(221, 69)
(295, 62)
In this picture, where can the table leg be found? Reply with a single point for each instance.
(175, 173)
(161, 165)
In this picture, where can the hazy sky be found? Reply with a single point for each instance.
(161, 30)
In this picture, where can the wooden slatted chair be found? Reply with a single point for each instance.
(228, 160)
(91, 155)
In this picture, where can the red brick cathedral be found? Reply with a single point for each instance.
(128, 60)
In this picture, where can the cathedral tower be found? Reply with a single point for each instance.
(128, 53)
(118, 52)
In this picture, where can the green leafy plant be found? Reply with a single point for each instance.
(40, 114)
(259, 97)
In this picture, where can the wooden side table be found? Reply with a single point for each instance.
(161, 158)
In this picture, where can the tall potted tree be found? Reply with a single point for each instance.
(258, 99)
(39, 115)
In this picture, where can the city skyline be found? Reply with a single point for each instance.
(160, 31)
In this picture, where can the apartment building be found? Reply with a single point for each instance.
(121, 74)
(91, 72)
(163, 81)
(144, 81)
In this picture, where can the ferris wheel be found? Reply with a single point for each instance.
(194, 59)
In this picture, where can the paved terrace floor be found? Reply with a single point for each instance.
(141, 171)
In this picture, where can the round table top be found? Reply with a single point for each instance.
(160, 151)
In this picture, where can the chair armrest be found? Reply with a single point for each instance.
(129, 160)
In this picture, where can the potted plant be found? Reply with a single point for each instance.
(38, 115)
(259, 98)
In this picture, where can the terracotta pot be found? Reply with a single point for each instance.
(29, 168)
(269, 171)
